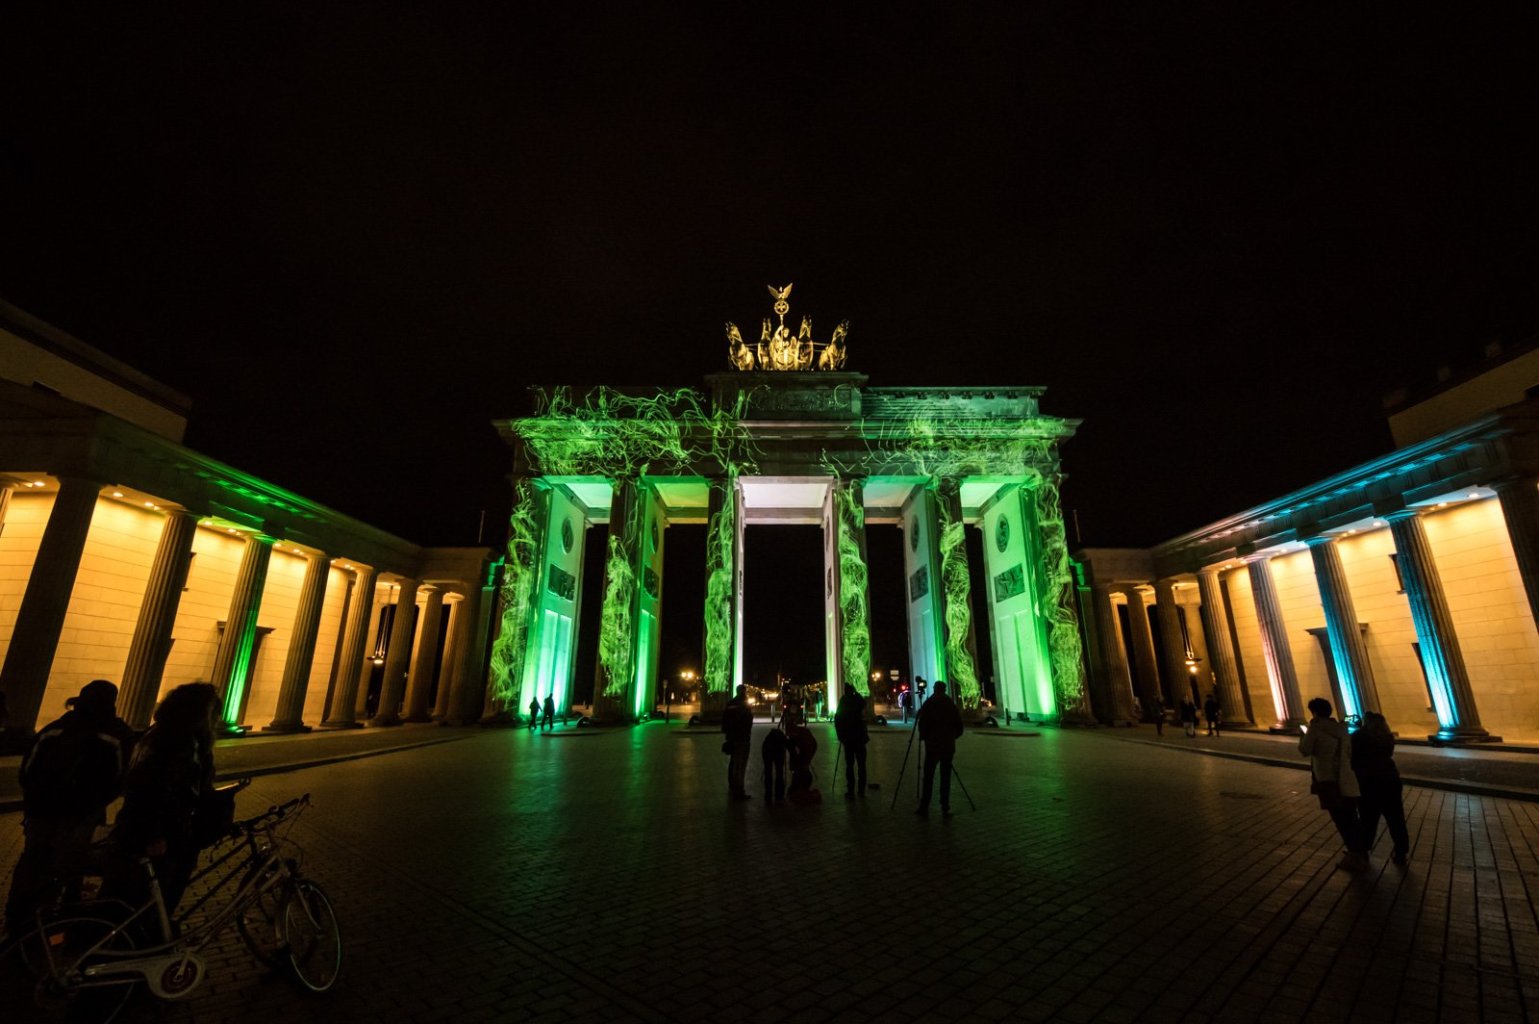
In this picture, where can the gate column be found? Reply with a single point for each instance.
(723, 596)
(612, 697)
(956, 596)
(845, 588)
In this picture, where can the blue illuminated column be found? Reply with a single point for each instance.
(1348, 652)
(1116, 684)
(1143, 649)
(1215, 628)
(1452, 698)
(1274, 644)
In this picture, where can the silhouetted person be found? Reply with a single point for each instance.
(1329, 749)
(939, 724)
(737, 726)
(534, 712)
(74, 769)
(171, 774)
(1211, 712)
(549, 721)
(1157, 714)
(802, 747)
(773, 752)
(905, 704)
(1373, 762)
(1189, 716)
(850, 728)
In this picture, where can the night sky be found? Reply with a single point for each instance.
(354, 235)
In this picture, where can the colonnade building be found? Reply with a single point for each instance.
(127, 556)
(1408, 585)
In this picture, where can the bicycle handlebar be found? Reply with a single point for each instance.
(276, 813)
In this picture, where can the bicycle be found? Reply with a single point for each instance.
(84, 961)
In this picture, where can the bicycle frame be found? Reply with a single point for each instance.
(173, 968)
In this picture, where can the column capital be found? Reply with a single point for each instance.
(1318, 540)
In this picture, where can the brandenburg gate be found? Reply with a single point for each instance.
(789, 436)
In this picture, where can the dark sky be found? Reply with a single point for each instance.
(354, 234)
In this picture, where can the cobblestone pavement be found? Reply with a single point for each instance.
(604, 876)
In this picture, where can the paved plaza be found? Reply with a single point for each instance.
(604, 876)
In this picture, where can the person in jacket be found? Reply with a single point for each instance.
(549, 721)
(939, 724)
(1373, 762)
(72, 771)
(737, 727)
(534, 712)
(1189, 716)
(850, 728)
(1329, 748)
(171, 774)
(802, 747)
(773, 753)
(1211, 712)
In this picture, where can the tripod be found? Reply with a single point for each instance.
(918, 775)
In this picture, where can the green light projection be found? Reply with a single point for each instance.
(957, 586)
(618, 436)
(520, 576)
(1063, 630)
(854, 616)
(720, 545)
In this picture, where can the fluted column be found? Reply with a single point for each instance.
(289, 716)
(151, 645)
(1274, 644)
(372, 650)
(846, 567)
(448, 665)
(1520, 509)
(470, 633)
(398, 656)
(232, 661)
(1348, 652)
(957, 595)
(1114, 682)
(1215, 627)
(5, 502)
(421, 680)
(355, 643)
(40, 620)
(1143, 649)
(1172, 639)
(615, 674)
(1449, 680)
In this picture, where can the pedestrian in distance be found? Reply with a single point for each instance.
(1212, 712)
(1329, 748)
(1157, 714)
(850, 728)
(939, 724)
(534, 712)
(1189, 716)
(170, 782)
(905, 704)
(773, 753)
(737, 727)
(1373, 762)
(72, 771)
(550, 713)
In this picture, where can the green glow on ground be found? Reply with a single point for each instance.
(520, 575)
(854, 616)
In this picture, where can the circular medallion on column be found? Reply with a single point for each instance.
(1002, 533)
(913, 533)
(566, 535)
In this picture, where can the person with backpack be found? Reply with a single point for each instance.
(73, 770)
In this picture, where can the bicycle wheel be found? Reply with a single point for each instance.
(260, 925)
(312, 938)
(40, 973)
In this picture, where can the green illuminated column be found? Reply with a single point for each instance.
(1171, 639)
(649, 599)
(1447, 678)
(1274, 644)
(921, 565)
(1116, 701)
(957, 600)
(232, 661)
(1143, 648)
(845, 577)
(420, 680)
(355, 642)
(722, 572)
(1215, 627)
(1057, 595)
(289, 716)
(29, 658)
(157, 614)
(397, 656)
(612, 697)
(519, 601)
